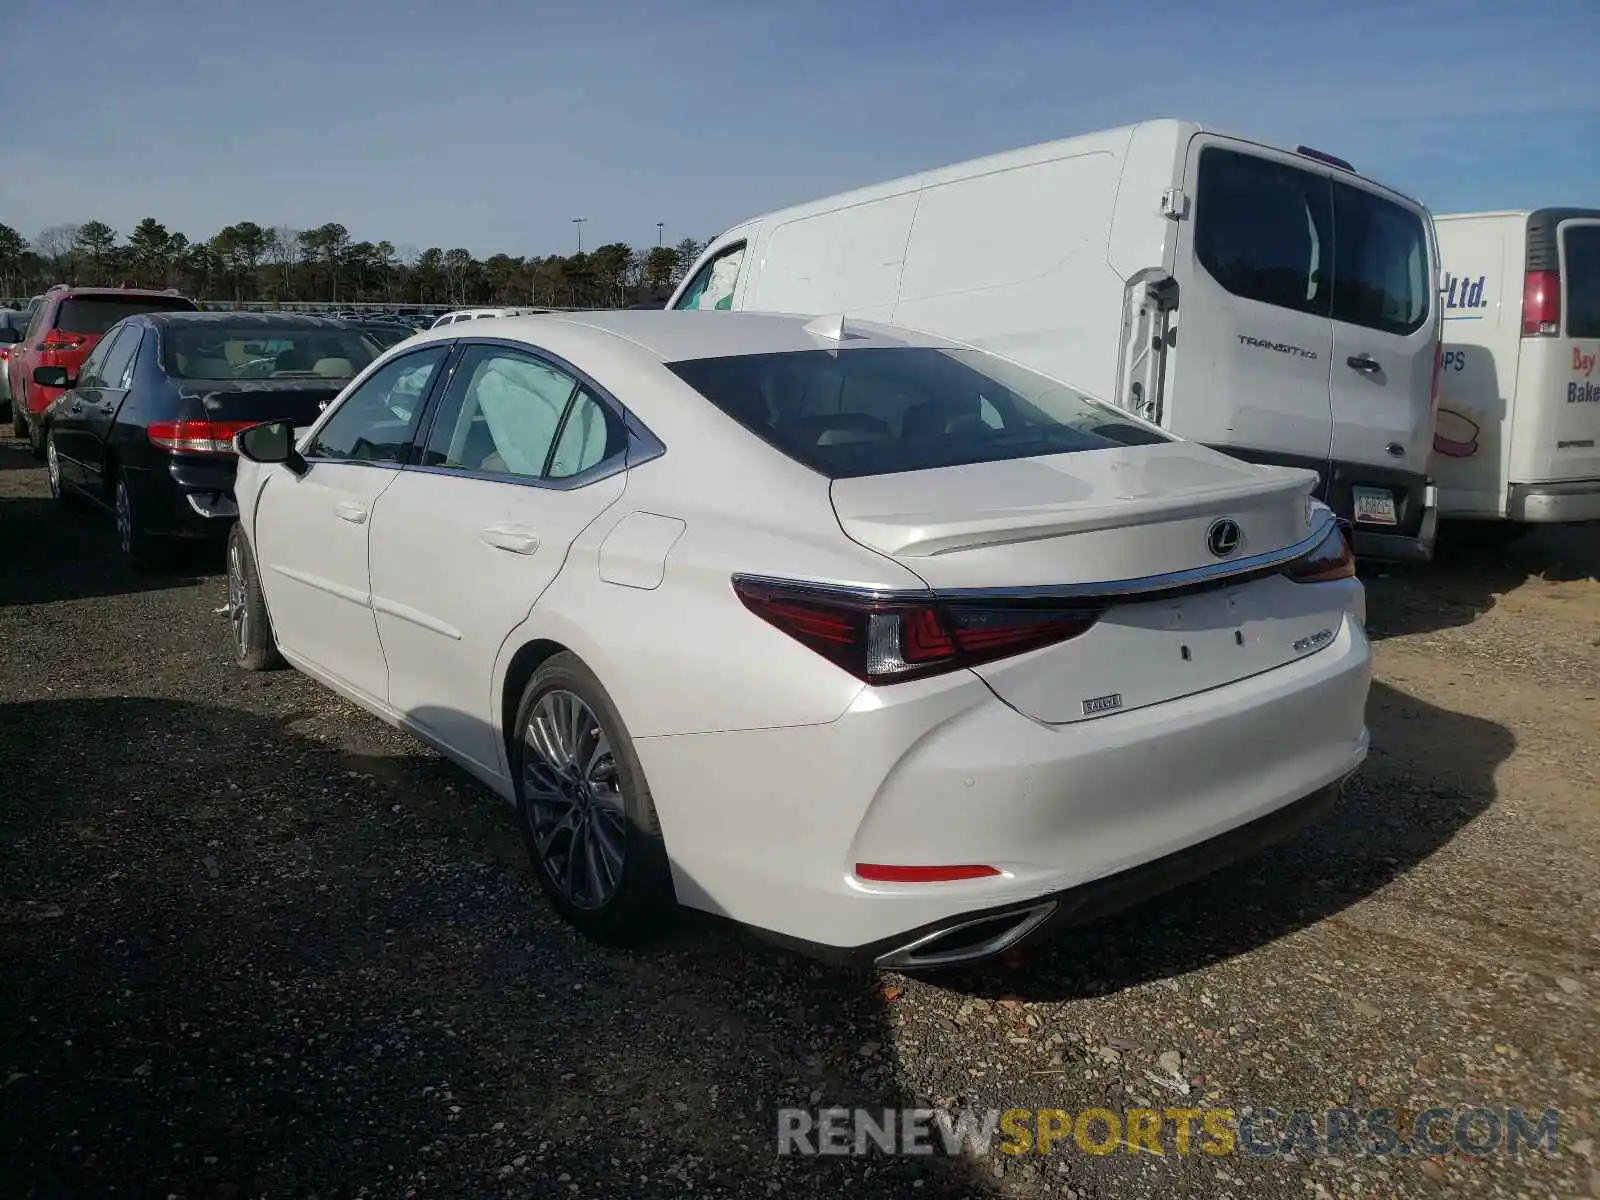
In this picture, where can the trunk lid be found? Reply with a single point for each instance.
(1122, 530)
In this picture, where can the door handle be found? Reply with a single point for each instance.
(353, 513)
(518, 539)
(106, 406)
(1364, 363)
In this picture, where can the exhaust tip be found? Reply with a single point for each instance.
(967, 941)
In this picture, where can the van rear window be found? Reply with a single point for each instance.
(880, 411)
(1298, 239)
(1580, 245)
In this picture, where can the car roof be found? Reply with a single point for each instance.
(672, 336)
(245, 320)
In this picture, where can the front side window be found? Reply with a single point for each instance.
(374, 423)
(713, 284)
(501, 416)
(117, 370)
(1380, 262)
(1263, 229)
(1580, 268)
(880, 411)
(91, 374)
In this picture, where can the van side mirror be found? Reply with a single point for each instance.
(53, 377)
(271, 442)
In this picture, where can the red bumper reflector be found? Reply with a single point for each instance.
(878, 873)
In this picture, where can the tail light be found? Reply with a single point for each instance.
(1332, 559)
(1541, 304)
(196, 437)
(883, 640)
(55, 344)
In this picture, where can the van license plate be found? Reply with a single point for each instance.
(1375, 506)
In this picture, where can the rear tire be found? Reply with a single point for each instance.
(59, 492)
(254, 648)
(585, 808)
(135, 545)
(19, 419)
(36, 433)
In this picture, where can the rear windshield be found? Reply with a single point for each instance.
(1294, 238)
(96, 314)
(386, 335)
(882, 411)
(1580, 245)
(220, 352)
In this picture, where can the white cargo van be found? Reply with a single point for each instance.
(1518, 433)
(1271, 303)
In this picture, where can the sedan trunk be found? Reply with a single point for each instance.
(1130, 533)
(253, 401)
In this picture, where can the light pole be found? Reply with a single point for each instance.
(661, 232)
(578, 221)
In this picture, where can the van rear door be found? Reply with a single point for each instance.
(1247, 365)
(1573, 444)
(1385, 342)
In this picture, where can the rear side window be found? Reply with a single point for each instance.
(880, 411)
(1264, 230)
(96, 314)
(1380, 262)
(1580, 245)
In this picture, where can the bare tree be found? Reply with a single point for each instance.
(59, 245)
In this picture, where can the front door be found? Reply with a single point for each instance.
(311, 532)
(519, 458)
(1250, 343)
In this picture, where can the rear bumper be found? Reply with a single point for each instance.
(186, 498)
(1554, 503)
(767, 825)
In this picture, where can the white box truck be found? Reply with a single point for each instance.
(1271, 303)
(1517, 441)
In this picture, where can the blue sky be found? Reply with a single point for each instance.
(490, 124)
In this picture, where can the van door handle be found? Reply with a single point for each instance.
(353, 513)
(518, 539)
(1364, 363)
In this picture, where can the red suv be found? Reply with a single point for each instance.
(65, 327)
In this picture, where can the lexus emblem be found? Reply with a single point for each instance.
(1222, 539)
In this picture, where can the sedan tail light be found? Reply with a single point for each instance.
(196, 437)
(882, 639)
(1332, 559)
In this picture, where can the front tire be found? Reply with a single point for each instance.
(254, 648)
(585, 808)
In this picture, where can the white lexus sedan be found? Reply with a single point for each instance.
(881, 645)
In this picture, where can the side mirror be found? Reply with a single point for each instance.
(271, 442)
(53, 377)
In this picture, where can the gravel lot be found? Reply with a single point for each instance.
(254, 943)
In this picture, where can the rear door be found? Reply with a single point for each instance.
(1385, 339)
(1573, 444)
(69, 425)
(1249, 350)
(520, 457)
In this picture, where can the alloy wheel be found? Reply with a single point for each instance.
(124, 517)
(52, 464)
(574, 800)
(238, 610)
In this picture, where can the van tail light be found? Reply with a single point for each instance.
(882, 639)
(1541, 304)
(196, 437)
(1332, 559)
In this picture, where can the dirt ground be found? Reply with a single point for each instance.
(254, 943)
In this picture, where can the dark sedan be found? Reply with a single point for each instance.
(385, 332)
(146, 429)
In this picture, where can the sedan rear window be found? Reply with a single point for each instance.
(881, 411)
(96, 314)
(221, 352)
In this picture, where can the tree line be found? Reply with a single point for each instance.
(276, 264)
